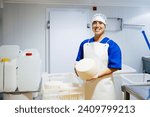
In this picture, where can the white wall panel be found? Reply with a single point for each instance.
(24, 25)
(131, 40)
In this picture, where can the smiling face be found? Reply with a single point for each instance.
(98, 28)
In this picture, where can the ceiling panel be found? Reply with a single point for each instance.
(132, 3)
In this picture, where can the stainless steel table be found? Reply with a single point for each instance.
(141, 92)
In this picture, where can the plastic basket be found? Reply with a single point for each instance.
(62, 86)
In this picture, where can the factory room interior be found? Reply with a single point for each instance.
(39, 43)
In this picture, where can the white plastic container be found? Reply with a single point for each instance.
(10, 83)
(62, 86)
(29, 70)
(9, 51)
(135, 79)
(118, 79)
(8, 69)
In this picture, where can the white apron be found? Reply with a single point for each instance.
(101, 88)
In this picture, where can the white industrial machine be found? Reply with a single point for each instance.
(20, 71)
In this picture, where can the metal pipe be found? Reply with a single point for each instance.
(146, 39)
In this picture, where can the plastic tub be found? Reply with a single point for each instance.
(135, 79)
(62, 86)
(118, 79)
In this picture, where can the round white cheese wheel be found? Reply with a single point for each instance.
(86, 68)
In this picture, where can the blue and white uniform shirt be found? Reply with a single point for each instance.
(114, 52)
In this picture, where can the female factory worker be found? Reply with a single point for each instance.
(107, 54)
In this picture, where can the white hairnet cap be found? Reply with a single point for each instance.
(99, 17)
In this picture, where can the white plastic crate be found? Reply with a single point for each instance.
(62, 86)
(135, 79)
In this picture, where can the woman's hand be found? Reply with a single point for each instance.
(93, 78)
(103, 74)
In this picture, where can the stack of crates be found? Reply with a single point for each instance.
(62, 86)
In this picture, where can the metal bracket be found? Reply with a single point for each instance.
(48, 24)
